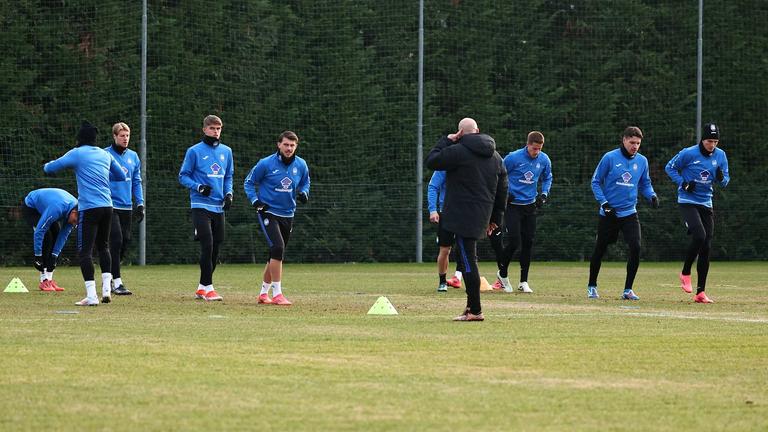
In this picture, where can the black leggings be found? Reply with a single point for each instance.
(700, 221)
(93, 229)
(209, 230)
(32, 217)
(119, 238)
(607, 233)
(466, 255)
(520, 226)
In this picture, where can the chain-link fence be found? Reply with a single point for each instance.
(343, 74)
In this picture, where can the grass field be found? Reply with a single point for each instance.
(551, 360)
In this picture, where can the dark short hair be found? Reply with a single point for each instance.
(288, 134)
(535, 137)
(632, 131)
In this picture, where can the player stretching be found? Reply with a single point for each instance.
(273, 186)
(94, 168)
(46, 209)
(694, 170)
(207, 172)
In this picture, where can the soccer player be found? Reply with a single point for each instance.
(46, 210)
(273, 186)
(207, 172)
(94, 168)
(695, 170)
(435, 200)
(123, 192)
(526, 168)
(618, 178)
(476, 194)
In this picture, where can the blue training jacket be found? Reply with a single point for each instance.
(123, 191)
(94, 168)
(54, 205)
(211, 165)
(692, 165)
(436, 192)
(618, 179)
(524, 173)
(276, 184)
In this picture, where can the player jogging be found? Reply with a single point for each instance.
(695, 170)
(273, 186)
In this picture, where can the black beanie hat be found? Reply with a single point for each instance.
(87, 133)
(710, 131)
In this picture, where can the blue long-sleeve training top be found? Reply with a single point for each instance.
(94, 168)
(54, 205)
(617, 180)
(123, 191)
(691, 165)
(436, 192)
(277, 184)
(524, 173)
(211, 165)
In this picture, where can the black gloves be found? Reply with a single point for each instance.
(510, 199)
(719, 176)
(139, 214)
(655, 202)
(608, 210)
(688, 186)
(205, 190)
(302, 197)
(38, 263)
(227, 202)
(260, 206)
(541, 199)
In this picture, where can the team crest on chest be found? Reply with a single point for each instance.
(295, 171)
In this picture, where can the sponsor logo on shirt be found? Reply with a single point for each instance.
(527, 178)
(625, 180)
(285, 185)
(704, 177)
(215, 170)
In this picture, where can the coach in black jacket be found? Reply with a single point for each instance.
(475, 197)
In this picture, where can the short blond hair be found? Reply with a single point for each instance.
(212, 120)
(120, 126)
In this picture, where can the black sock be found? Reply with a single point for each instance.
(442, 278)
(699, 290)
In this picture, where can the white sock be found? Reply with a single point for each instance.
(42, 276)
(106, 284)
(264, 288)
(458, 275)
(49, 275)
(90, 290)
(276, 289)
(208, 288)
(200, 287)
(118, 282)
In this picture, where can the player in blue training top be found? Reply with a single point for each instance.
(94, 168)
(619, 176)
(52, 214)
(273, 186)
(445, 240)
(207, 172)
(123, 193)
(526, 168)
(695, 170)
